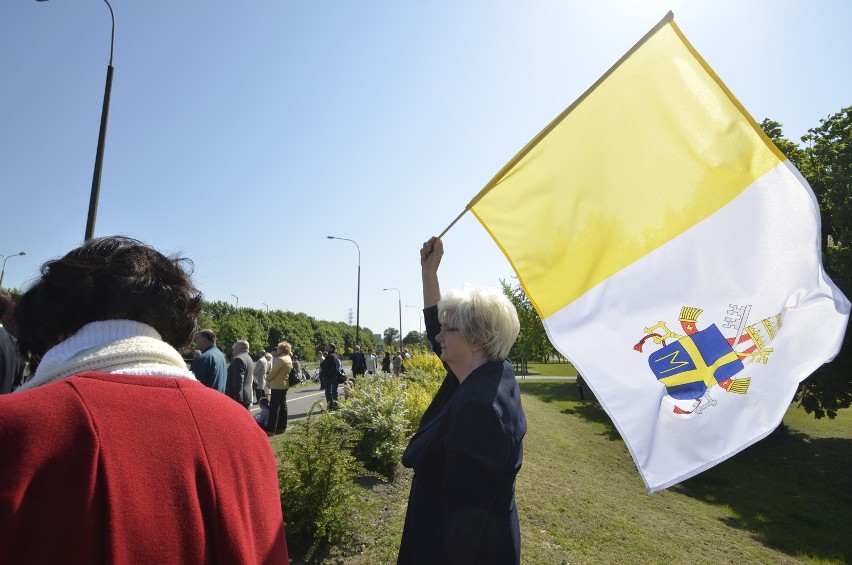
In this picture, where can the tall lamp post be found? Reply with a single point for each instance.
(6, 258)
(99, 156)
(238, 299)
(267, 306)
(399, 299)
(358, 296)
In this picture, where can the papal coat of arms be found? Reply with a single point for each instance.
(691, 365)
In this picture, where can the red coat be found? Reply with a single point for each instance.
(100, 468)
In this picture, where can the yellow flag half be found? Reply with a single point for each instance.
(630, 165)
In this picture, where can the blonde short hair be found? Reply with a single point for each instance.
(285, 347)
(484, 316)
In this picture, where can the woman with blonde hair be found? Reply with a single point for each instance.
(278, 381)
(468, 447)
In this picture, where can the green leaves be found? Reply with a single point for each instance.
(532, 342)
(265, 330)
(376, 411)
(826, 163)
(320, 458)
(316, 475)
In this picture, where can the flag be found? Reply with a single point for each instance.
(674, 256)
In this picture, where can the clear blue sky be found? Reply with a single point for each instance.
(242, 133)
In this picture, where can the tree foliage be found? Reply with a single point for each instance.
(532, 343)
(413, 339)
(389, 335)
(316, 472)
(265, 330)
(826, 163)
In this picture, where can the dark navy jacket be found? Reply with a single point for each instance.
(465, 456)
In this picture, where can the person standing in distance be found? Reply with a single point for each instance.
(240, 374)
(278, 380)
(359, 363)
(210, 368)
(329, 368)
(372, 362)
(261, 367)
(397, 363)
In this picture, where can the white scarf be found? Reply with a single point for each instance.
(110, 346)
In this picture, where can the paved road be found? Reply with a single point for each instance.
(300, 399)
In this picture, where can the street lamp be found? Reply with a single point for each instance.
(99, 156)
(267, 306)
(399, 298)
(358, 298)
(238, 299)
(6, 258)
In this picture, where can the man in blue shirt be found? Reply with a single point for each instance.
(210, 369)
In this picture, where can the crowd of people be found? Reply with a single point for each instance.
(265, 379)
(122, 453)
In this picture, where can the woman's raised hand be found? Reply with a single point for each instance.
(431, 253)
(430, 258)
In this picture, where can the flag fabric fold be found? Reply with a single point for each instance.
(674, 256)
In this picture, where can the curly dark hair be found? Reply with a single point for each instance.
(109, 278)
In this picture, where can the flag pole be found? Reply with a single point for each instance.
(452, 223)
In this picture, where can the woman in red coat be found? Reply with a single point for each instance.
(113, 452)
(468, 448)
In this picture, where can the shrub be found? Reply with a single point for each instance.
(376, 411)
(430, 364)
(316, 472)
(422, 381)
(320, 457)
(419, 390)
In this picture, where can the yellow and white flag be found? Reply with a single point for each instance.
(673, 253)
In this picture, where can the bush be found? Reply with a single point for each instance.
(429, 364)
(376, 411)
(320, 457)
(419, 390)
(316, 472)
(422, 381)
(385, 410)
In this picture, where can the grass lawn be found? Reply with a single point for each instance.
(550, 370)
(786, 499)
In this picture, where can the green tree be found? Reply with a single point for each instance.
(796, 154)
(826, 163)
(389, 335)
(532, 342)
(218, 310)
(237, 326)
(413, 339)
(326, 333)
(295, 328)
(829, 149)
